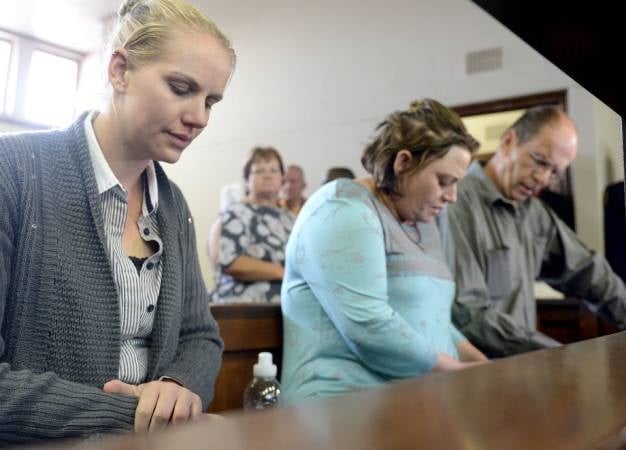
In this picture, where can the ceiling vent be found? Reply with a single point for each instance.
(483, 60)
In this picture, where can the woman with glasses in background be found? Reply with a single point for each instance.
(253, 235)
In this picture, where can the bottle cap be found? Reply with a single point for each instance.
(264, 367)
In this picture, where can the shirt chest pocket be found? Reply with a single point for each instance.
(502, 274)
(538, 250)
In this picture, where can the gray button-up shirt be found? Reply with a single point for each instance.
(497, 248)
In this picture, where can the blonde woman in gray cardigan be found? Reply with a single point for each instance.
(104, 315)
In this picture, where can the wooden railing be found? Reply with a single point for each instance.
(248, 329)
(571, 397)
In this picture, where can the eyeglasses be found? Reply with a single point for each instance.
(271, 171)
(541, 163)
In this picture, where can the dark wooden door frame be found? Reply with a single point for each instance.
(512, 103)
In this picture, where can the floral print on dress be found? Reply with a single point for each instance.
(257, 231)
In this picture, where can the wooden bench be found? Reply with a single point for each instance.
(247, 329)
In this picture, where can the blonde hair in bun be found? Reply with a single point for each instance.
(145, 25)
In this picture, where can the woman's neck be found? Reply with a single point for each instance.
(263, 200)
(117, 151)
(382, 197)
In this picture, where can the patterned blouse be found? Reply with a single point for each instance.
(257, 231)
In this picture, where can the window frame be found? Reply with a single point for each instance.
(22, 48)
(11, 41)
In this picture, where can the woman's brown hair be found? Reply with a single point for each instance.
(427, 129)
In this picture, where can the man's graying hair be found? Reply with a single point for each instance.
(534, 119)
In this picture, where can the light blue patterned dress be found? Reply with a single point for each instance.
(362, 302)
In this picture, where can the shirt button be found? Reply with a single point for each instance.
(150, 308)
(146, 231)
(150, 266)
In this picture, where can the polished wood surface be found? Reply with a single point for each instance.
(247, 329)
(572, 397)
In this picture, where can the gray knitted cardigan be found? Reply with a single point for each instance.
(60, 330)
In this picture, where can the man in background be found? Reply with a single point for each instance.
(291, 193)
(338, 172)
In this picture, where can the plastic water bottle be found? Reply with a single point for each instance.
(264, 390)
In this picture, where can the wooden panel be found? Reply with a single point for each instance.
(250, 334)
(246, 329)
(571, 397)
(570, 320)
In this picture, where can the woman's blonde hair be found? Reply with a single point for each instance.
(144, 26)
(427, 129)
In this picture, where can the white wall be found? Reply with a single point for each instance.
(314, 78)
(599, 162)
(608, 126)
(7, 127)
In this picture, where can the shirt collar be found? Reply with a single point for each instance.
(486, 188)
(105, 178)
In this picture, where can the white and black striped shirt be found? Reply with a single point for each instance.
(138, 289)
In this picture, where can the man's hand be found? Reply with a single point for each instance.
(469, 353)
(160, 403)
(446, 363)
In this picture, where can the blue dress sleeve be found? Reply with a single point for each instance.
(457, 336)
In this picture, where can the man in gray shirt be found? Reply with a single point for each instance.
(502, 238)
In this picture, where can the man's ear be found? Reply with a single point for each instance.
(507, 141)
(402, 162)
(118, 71)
